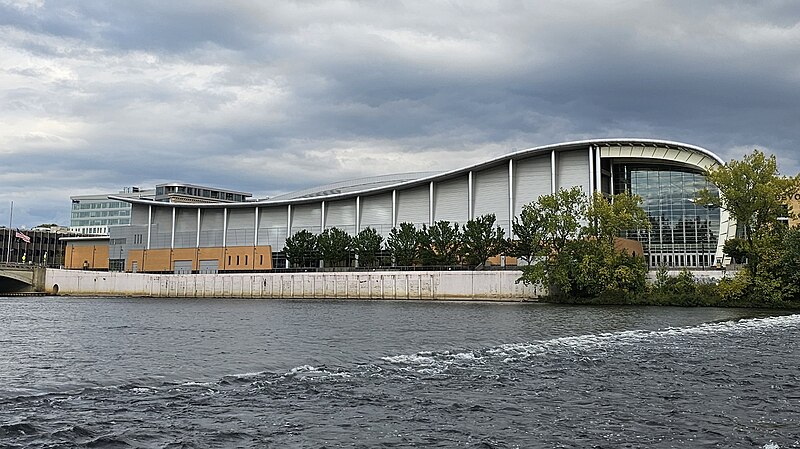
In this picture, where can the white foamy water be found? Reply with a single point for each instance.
(429, 362)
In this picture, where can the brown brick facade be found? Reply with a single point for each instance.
(90, 257)
(235, 258)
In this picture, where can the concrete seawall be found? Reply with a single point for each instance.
(455, 285)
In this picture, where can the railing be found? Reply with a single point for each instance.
(347, 269)
(17, 265)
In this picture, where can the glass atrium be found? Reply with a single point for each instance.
(683, 233)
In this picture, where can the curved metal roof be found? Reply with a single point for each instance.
(368, 188)
(352, 185)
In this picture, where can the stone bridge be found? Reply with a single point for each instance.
(19, 278)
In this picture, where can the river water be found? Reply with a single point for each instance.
(182, 373)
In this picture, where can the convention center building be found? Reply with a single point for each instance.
(248, 235)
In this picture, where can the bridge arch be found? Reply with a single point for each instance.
(16, 279)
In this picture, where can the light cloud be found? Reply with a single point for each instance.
(267, 98)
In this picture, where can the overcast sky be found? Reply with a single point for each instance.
(269, 97)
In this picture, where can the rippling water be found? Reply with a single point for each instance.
(104, 372)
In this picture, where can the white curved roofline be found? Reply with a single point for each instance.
(316, 191)
(426, 179)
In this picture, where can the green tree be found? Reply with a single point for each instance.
(754, 193)
(607, 217)
(589, 268)
(334, 246)
(767, 285)
(548, 224)
(440, 243)
(301, 248)
(592, 268)
(366, 245)
(482, 240)
(529, 234)
(789, 264)
(581, 262)
(737, 249)
(403, 244)
(562, 213)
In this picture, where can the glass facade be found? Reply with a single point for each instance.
(94, 216)
(682, 233)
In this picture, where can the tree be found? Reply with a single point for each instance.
(789, 265)
(334, 246)
(529, 234)
(440, 244)
(544, 228)
(737, 249)
(606, 217)
(301, 248)
(366, 245)
(752, 190)
(754, 193)
(403, 244)
(562, 213)
(581, 262)
(588, 268)
(481, 240)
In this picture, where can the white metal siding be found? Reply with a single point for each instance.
(491, 194)
(341, 214)
(211, 227)
(412, 205)
(272, 227)
(572, 169)
(531, 180)
(451, 200)
(185, 227)
(376, 213)
(306, 216)
(161, 235)
(139, 214)
(240, 227)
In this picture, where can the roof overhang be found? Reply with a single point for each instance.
(84, 238)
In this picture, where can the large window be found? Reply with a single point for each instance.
(682, 233)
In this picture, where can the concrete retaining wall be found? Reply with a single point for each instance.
(356, 285)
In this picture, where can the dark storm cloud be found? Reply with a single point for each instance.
(272, 97)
